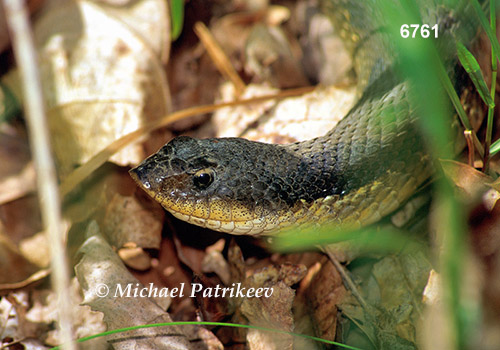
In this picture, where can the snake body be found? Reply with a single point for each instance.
(363, 169)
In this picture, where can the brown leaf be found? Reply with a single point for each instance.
(100, 269)
(274, 311)
(17, 175)
(127, 220)
(269, 57)
(214, 262)
(43, 311)
(14, 267)
(324, 292)
(465, 177)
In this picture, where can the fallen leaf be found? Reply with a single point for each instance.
(102, 75)
(270, 59)
(43, 311)
(324, 292)
(393, 293)
(290, 120)
(14, 267)
(36, 249)
(127, 220)
(100, 266)
(214, 262)
(17, 174)
(466, 177)
(272, 312)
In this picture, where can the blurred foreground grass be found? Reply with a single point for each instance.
(434, 94)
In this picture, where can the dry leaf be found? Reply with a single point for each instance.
(393, 293)
(290, 120)
(100, 269)
(102, 75)
(270, 58)
(17, 175)
(43, 312)
(325, 291)
(14, 267)
(466, 177)
(214, 262)
(148, 19)
(15, 326)
(274, 312)
(36, 249)
(127, 220)
(135, 258)
(100, 266)
(325, 56)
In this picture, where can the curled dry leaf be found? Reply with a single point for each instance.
(102, 75)
(16, 328)
(148, 19)
(36, 249)
(273, 311)
(100, 269)
(215, 262)
(135, 258)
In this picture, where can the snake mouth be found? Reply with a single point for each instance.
(234, 227)
(219, 215)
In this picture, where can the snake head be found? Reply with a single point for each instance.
(219, 183)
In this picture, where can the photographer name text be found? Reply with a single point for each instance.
(136, 290)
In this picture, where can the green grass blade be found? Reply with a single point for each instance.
(486, 27)
(472, 68)
(495, 147)
(177, 16)
(370, 239)
(491, 109)
(220, 324)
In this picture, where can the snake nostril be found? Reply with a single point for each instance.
(139, 175)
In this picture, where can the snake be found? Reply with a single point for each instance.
(363, 169)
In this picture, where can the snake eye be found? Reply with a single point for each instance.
(203, 178)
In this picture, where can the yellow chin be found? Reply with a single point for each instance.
(247, 227)
(219, 215)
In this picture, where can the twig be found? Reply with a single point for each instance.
(50, 207)
(470, 146)
(347, 280)
(219, 58)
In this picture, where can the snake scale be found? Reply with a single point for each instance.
(363, 169)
